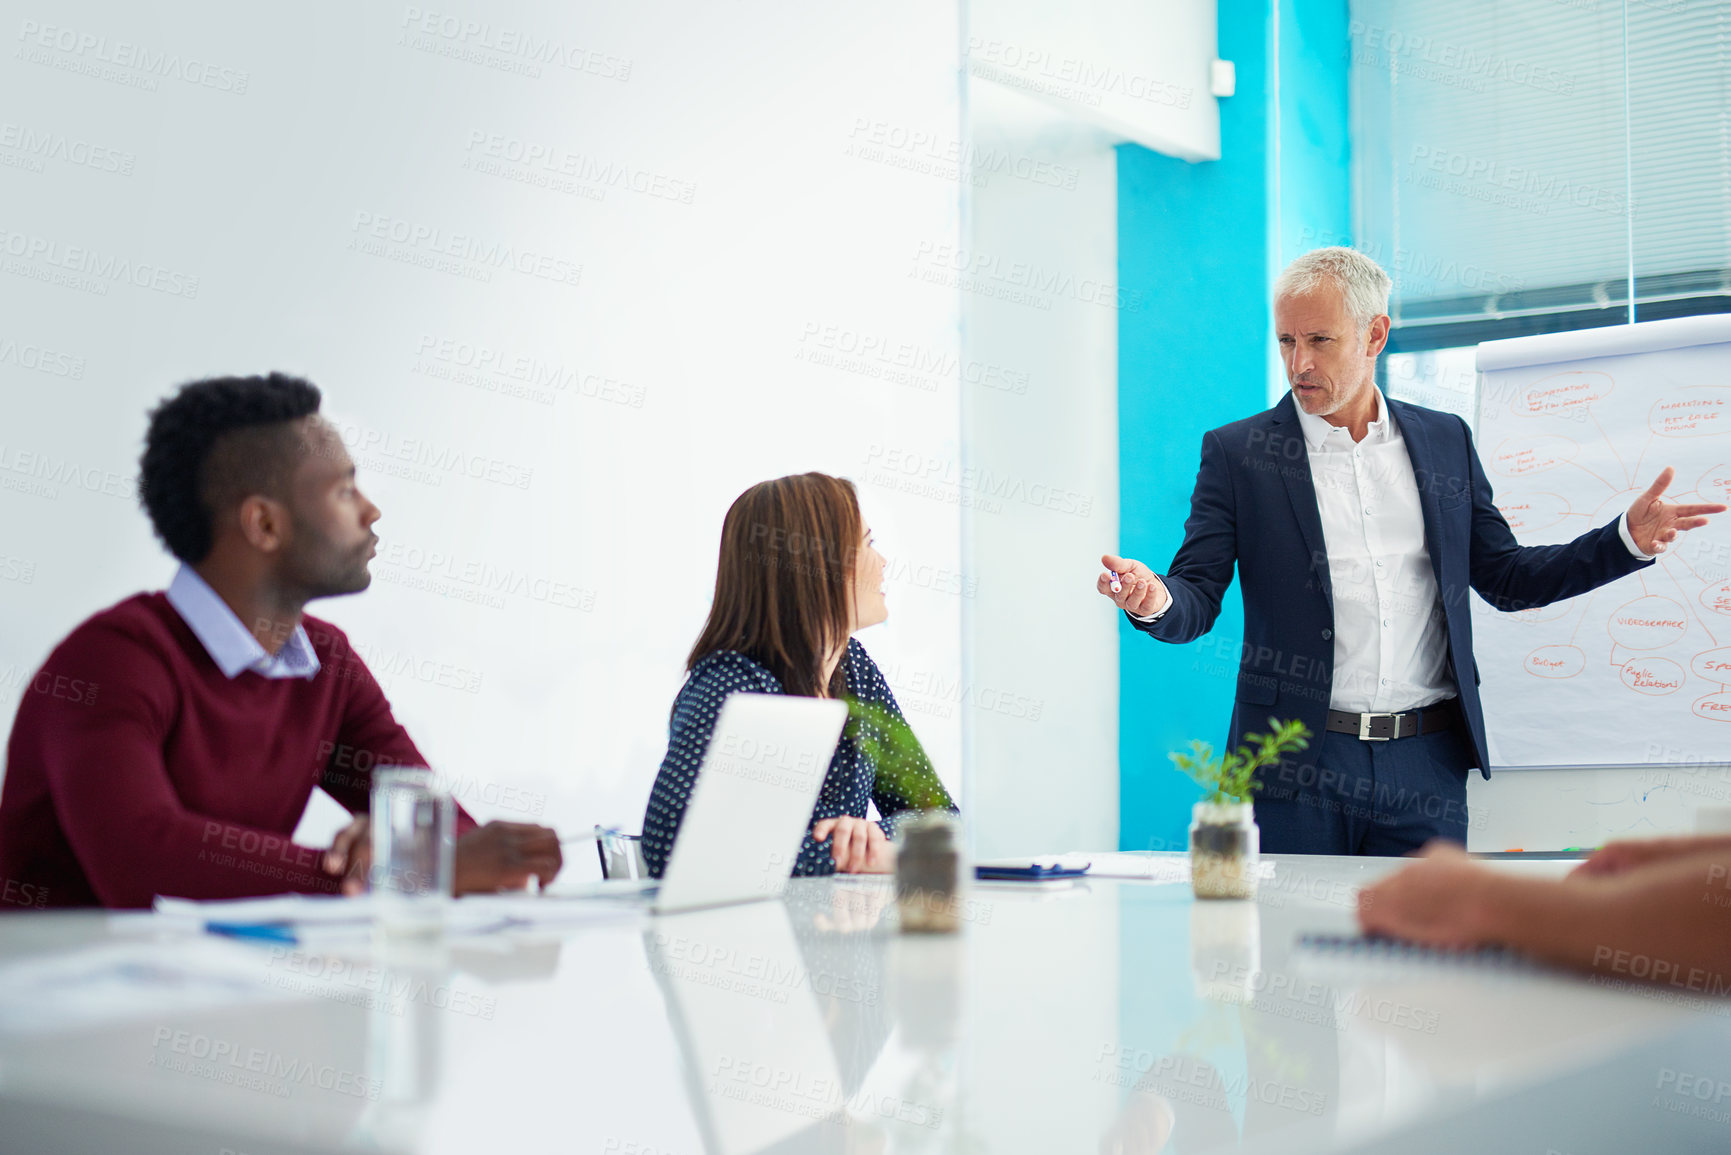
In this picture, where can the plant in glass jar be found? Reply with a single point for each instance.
(1224, 840)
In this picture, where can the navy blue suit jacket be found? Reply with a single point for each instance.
(1254, 507)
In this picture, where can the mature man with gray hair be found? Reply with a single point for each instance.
(1357, 525)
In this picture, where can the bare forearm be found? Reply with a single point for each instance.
(1669, 922)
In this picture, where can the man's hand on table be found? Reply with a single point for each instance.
(503, 856)
(351, 855)
(497, 856)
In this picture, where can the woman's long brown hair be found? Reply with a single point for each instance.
(785, 579)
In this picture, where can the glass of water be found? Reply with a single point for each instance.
(413, 843)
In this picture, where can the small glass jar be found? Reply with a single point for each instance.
(928, 873)
(1225, 850)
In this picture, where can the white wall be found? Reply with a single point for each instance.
(548, 544)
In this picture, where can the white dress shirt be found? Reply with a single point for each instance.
(227, 640)
(1390, 637)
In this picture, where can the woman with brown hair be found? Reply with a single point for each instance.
(797, 578)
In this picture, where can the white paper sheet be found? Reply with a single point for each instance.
(1637, 672)
(325, 917)
(130, 980)
(1149, 866)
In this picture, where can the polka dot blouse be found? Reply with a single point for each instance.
(849, 785)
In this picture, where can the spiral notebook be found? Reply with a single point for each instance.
(1381, 949)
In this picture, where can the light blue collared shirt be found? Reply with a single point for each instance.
(227, 640)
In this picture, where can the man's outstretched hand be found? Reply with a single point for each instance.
(1140, 591)
(1655, 524)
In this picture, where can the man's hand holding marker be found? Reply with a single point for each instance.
(1132, 586)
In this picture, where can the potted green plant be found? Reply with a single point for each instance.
(1225, 844)
(928, 843)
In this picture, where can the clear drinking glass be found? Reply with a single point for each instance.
(413, 843)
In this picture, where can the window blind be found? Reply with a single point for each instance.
(1516, 162)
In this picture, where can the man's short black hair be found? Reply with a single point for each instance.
(214, 443)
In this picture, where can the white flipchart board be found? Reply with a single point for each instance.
(1624, 693)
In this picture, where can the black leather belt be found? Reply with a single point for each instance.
(1382, 727)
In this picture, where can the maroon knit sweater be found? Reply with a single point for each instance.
(136, 768)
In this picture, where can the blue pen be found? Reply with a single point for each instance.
(1117, 584)
(264, 931)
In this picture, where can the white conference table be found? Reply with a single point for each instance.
(1105, 1016)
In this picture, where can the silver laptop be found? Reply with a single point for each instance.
(751, 804)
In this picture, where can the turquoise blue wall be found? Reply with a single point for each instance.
(1314, 201)
(1202, 242)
